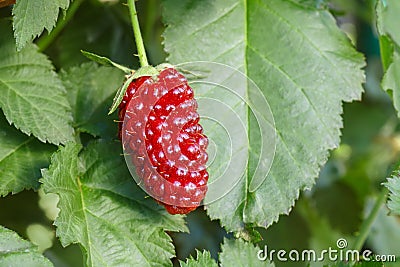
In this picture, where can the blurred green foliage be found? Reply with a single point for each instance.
(333, 209)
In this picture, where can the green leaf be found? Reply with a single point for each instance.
(33, 97)
(391, 81)
(387, 24)
(32, 17)
(386, 49)
(387, 19)
(105, 61)
(14, 251)
(304, 66)
(90, 89)
(393, 184)
(21, 158)
(239, 253)
(357, 264)
(384, 236)
(103, 210)
(311, 3)
(203, 259)
(101, 29)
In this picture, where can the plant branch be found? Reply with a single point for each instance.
(138, 36)
(367, 223)
(45, 41)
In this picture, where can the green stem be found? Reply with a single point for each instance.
(137, 33)
(367, 224)
(45, 41)
(77, 137)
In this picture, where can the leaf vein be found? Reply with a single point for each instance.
(219, 17)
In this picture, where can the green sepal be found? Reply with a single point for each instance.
(105, 61)
(163, 66)
(143, 71)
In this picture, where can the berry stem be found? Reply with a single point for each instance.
(138, 34)
(369, 220)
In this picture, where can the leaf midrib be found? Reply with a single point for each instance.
(19, 146)
(117, 232)
(248, 46)
(86, 221)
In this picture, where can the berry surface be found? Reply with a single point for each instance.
(160, 130)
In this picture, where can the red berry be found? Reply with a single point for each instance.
(161, 132)
(130, 91)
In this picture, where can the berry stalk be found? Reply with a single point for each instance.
(369, 220)
(138, 35)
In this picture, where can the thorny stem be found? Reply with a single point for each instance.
(138, 36)
(368, 222)
(45, 41)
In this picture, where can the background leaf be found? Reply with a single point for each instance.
(368, 151)
(388, 18)
(391, 81)
(33, 97)
(105, 30)
(384, 238)
(305, 67)
(239, 253)
(311, 3)
(14, 251)
(358, 264)
(393, 184)
(387, 22)
(102, 209)
(32, 17)
(90, 90)
(21, 158)
(202, 259)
